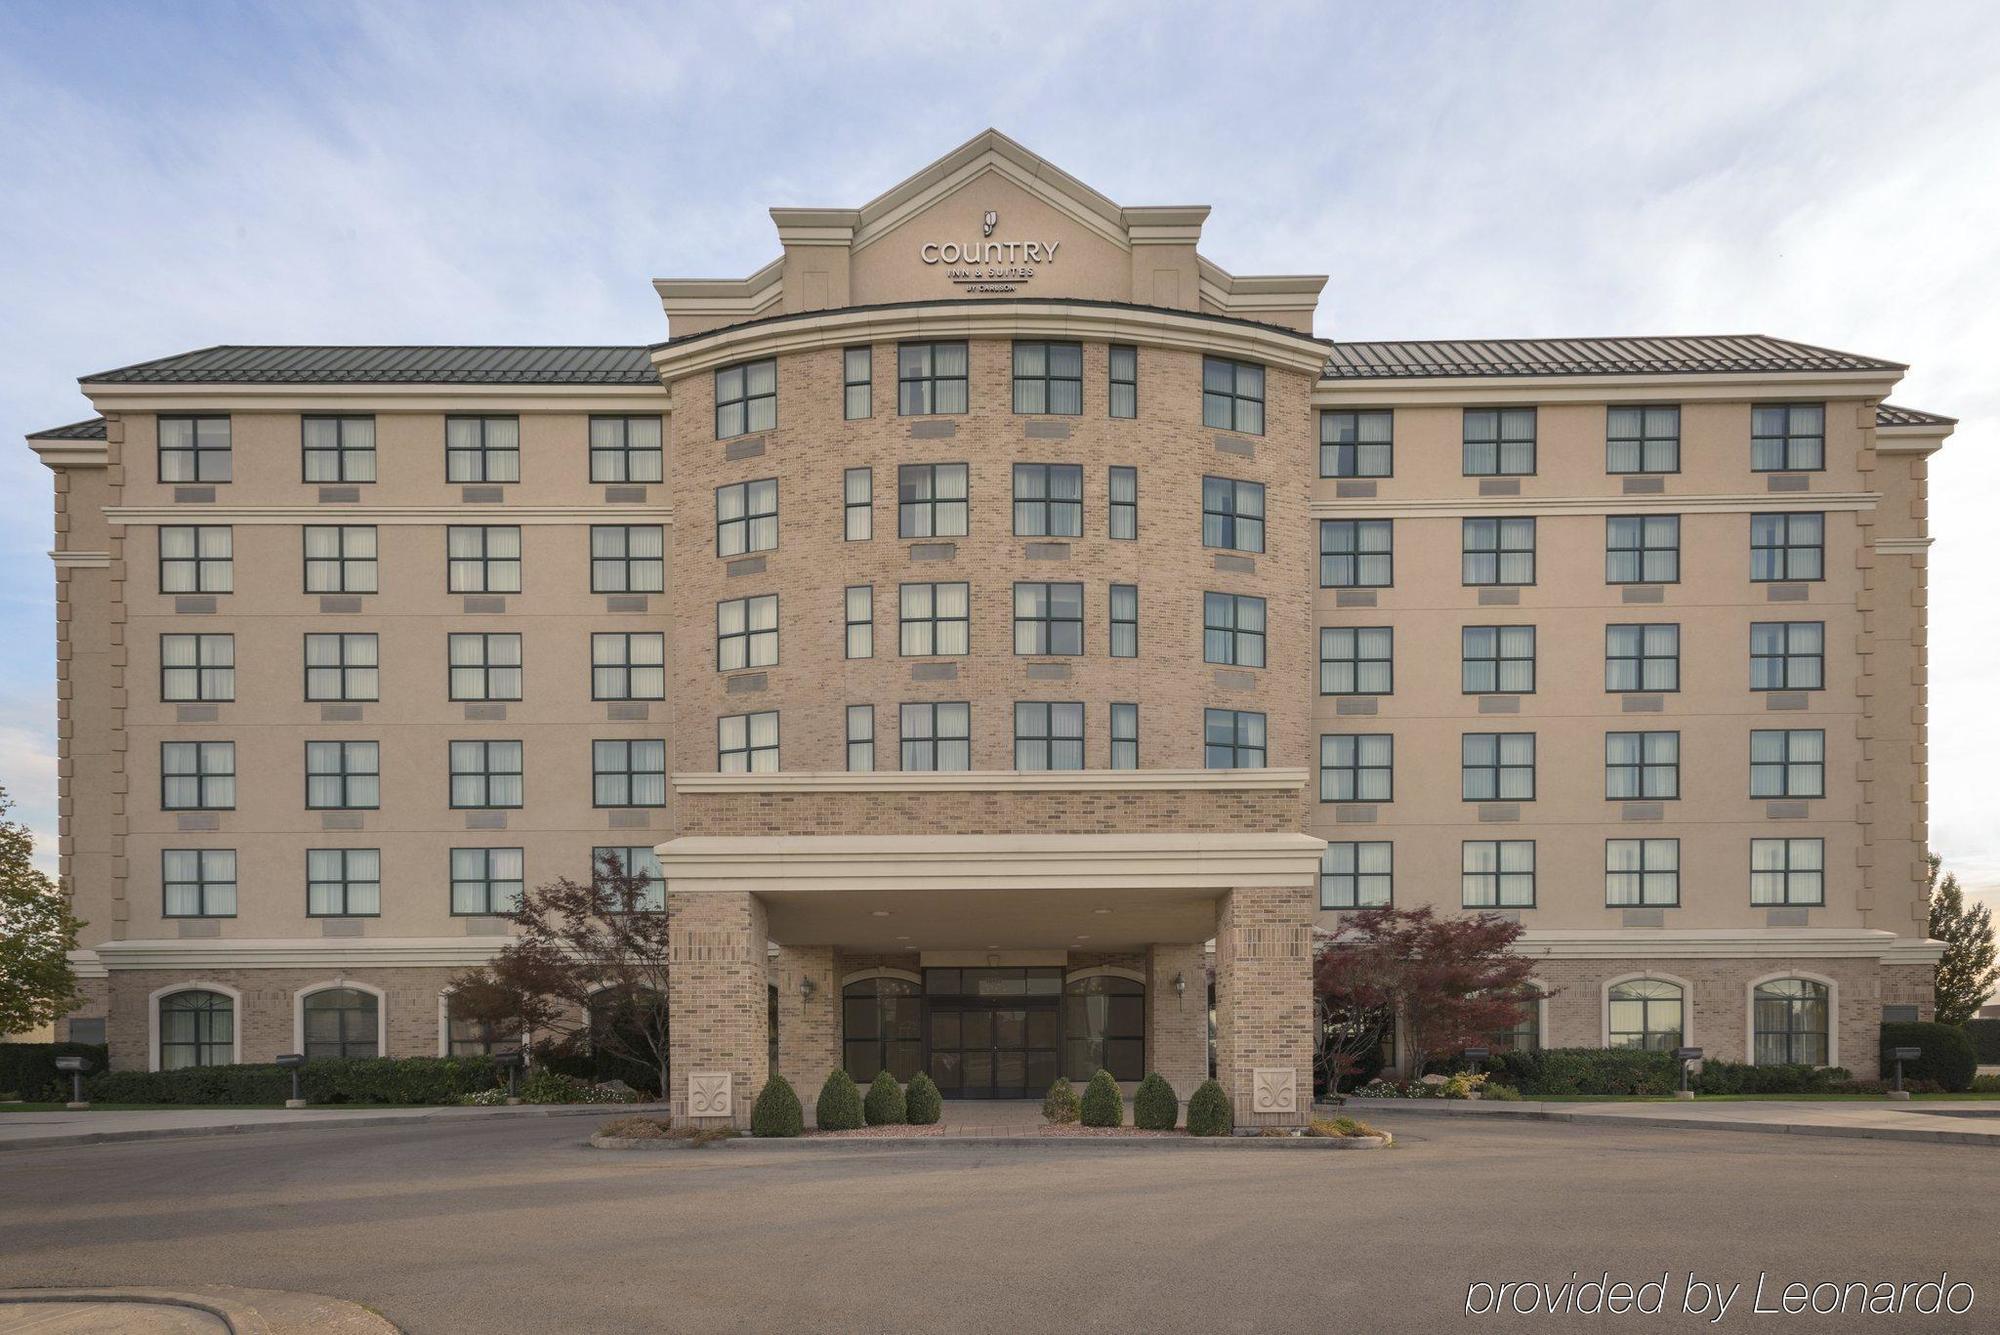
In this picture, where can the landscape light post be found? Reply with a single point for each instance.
(1686, 1057)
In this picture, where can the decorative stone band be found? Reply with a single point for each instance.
(978, 781)
(1282, 941)
(299, 953)
(403, 398)
(1903, 546)
(81, 560)
(710, 945)
(387, 514)
(1728, 943)
(1458, 506)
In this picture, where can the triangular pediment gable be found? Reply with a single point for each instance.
(990, 154)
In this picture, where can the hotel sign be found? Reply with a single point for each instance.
(987, 265)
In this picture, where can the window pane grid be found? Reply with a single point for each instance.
(1232, 629)
(626, 773)
(747, 743)
(1232, 395)
(1123, 491)
(1124, 736)
(1787, 547)
(937, 736)
(196, 558)
(746, 633)
(483, 558)
(1048, 735)
(337, 449)
(1642, 766)
(636, 862)
(343, 776)
(1497, 873)
(198, 882)
(1124, 621)
(1232, 514)
(1788, 437)
(1048, 378)
(194, 449)
(342, 667)
(197, 667)
(1787, 762)
(1788, 871)
(1499, 442)
(1787, 655)
(1497, 766)
(197, 776)
(935, 620)
(1357, 875)
(1642, 549)
(1642, 657)
(1233, 739)
(1355, 554)
(746, 517)
(628, 665)
(1357, 767)
(1048, 619)
(625, 449)
(857, 383)
(484, 666)
(1642, 873)
(482, 449)
(860, 613)
(860, 738)
(1356, 660)
(1124, 396)
(858, 503)
(486, 774)
(1497, 660)
(931, 500)
(489, 881)
(1048, 500)
(631, 558)
(1498, 551)
(930, 379)
(746, 399)
(1356, 444)
(1642, 440)
(343, 882)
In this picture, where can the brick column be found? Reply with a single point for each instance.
(717, 995)
(808, 1027)
(1177, 1025)
(1263, 996)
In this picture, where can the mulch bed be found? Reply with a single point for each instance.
(1075, 1129)
(879, 1132)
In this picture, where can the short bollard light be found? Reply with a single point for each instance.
(511, 1063)
(1899, 1056)
(76, 1068)
(292, 1061)
(1475, 1057)
(1687, 1057)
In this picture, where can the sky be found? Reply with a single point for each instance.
(182, 175)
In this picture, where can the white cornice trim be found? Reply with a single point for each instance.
(989, 151)
(107, 398)
(87, 964)
(724, 299)
(1641, 943)
(1448, 507)
(1417, 391)
(992, 781)
(1903, 546)
(81, 560)
(72, 453)
(301, 953)
(1915, 950)
(387, 514)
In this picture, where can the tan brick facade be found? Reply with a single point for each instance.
(1263, 998)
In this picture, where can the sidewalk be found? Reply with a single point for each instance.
(210, 1308)
(49, 1130)
(1969, 1123)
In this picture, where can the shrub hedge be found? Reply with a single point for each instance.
(922, 1102)
(1209, 1113)
(1720, 1077)
(839, 1106)
(1060, 1107)
(1103, 1105)
(885, 1105)
(1155, 1107)
(777, 1111)
(1553, 1071)
(393, 1080)
(1985, 1036)
(1948, 1057)
(30, 1068)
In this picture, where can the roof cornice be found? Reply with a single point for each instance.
(992, 781)
(405, 398)
(1416, 391)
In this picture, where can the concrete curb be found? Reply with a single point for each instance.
(1068, 1142)
(1835, 1131)
(647, 1143)
(246, 1311)
(309, 1121)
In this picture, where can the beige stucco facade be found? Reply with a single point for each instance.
(1160, 877)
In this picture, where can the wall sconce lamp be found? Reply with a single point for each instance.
(1180, 986)
(806, 989)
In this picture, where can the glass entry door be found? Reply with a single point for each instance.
(993, 1033)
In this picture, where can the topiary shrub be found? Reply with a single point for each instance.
(1721, 1077)
(1209, 1113)
(839, 1106)
(922, 1102)
(1949, 1057)
(1155, 1106)
(1060, 1107)
(1103, 1105)
(885, 1104)
(777, 1111)
(383, 1080)
(1555, 1071)
(30, 1068)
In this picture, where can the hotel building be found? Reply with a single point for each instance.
(1005, 635)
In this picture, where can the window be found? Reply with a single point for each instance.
(482, 449)
(746, 398)
(930, 501)
(1788, 437)
(1499, 442)
(625, 449)
(343, 776)
(1124, 736)
(1104, 1028)
(1048, 618)
(937, 736)
(1124, 620)
(637, 863)
(484, 559)
(343, 882)
(1497, 874)
(1357, 660)
(1789, 1022)
(1232, 739)
(628, 665)
(1787, 871)
(1497, 767)
(1356, 444)
(628, 558)
(1124, 396)
(1642, 440)
(1497, 551)
(882, 1029)
(1642, 549)
(746, 517)
(625, 773)
(1048, 378)
(1787, 547)
(1048, 735)
(1642, 766)
(1232, 395)
(197, 1029)
(930, 378)
(198, 882)
(465, 1037)
(1124, 493)
(1357, 767)
(747, 743)
(1642, 658)
(857, 488)
(486, 774)
(195, 558)
(197, 776)
(746, 633)
(342, 667)
(1645, 1014)
(1642, 873)
(342, 1022)
(860, 738)
(487, 881)
(1232, 514)
(1048, 500)
(1787, 655)
(197, 667)
(485, 666)
(1357, 876)
(935, 619)
(1356, 554)
(1525, 1034)
(1232, 629)
(857, 383)
(340, 558)
(860, 620)
(194, 449)
(338, 449)
(1497, 660)
(1787, 762)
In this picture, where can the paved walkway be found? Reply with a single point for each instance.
(209, 1309)
(1968, 1123)
(43, 1130)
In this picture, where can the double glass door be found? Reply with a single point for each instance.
(993, 1049)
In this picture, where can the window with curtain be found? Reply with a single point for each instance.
(485, 774)
(1646, 1013)
(483, 558)
(197, 667)
(342, 1022)
(1787, 762)
(625, 449)
(1787, 547)
(930, 379)
(1642, 657)
(860, 614)
(1642, 439)
(1642, 766)
(1642, 549)
(340, 558)
(1124, 736)
(343, 776)
(1232, 629)
(1124, 620)
(1048, 618)
(1791, 1017)
(484, 666)
(857, 488)
(197, 558)
(1124, 396)
(1357, 444)
(1232, 395)
(342, 667)
(1232, 514)
(628, 773)
(1048, 735)
(1499, 442)
(637, 863)
(746, 517)
(1497, 660)
(1497, 766)
(1357, 660)
(1233, 739)
(937, 736)
(1357, 767)
(197, 1029)
(343, 882)
(628, 665)
(1642, 873)
(860, 739)
(338, 449)
(1048, 500)
(1048, 378)
(194, 449)
(628, 558)
(857, 383)
(198, 882)
(1104, 1028)
(747, 743)
(746, 633)
(482, 449)
(1497, 551)
(930, 500)
(197, 776)
(1124, 493)
(1357, 875)
(1788, 437)
(1497, 873)
(1787, 655)
(486, 881)
(1356, 553)
(746, 398)
(935, 619)
(1788, 872)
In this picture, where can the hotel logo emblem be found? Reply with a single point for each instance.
(986, 265)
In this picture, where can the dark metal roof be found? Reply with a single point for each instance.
(1695, 355)
(90, 430)
(237, 365)
(1889, 414)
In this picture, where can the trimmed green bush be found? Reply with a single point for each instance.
(1948, 1057)
(922, 1101)
(1103, 1105)
(392, 1080)
(30, 1068)
(839, 1106)
(1985, 1036)
(1557, 1071)
(554, 1087)
(1155, 1106)
(1209, 1113)
(1720, 1077)
(777, 1111)
(885, 1105)
(1060, 1107)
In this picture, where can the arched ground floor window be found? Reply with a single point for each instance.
(1104, 1027)
(342, 1022)
(197, 1028)
(1789, 1021)
(1646, 1013)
